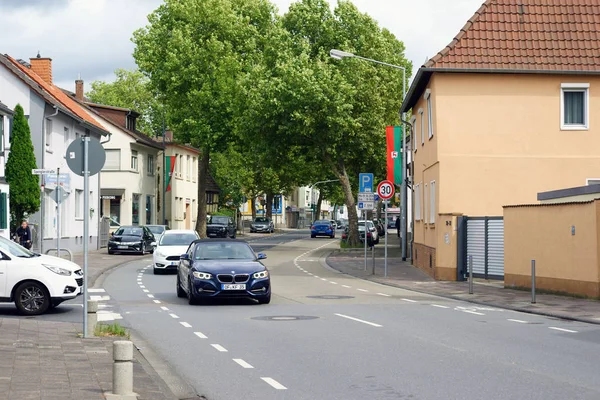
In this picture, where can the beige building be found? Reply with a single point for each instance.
(506, 110)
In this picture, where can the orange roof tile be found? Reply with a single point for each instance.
(58, 94)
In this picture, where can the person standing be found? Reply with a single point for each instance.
(398, 225)
(24, 235)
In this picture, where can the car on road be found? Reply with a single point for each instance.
(158, 230)
(322, 227)
(35, 282)
(131, 239)
(371, 230)
(169, 247)
(222, 268)
(341, 224)
(220, 226)
(262, 224)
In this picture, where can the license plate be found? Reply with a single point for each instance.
(241, 286)
(123, 247)
(173, 262)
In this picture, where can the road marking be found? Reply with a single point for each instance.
(472, 312)
(146, 291)
(173, 315)
(410, 301)
(142, 286)
(274, 383)
(517, 320)
(346, 286)
(323, 279)
(385, 295)
(185, 324)
(219, 347)
(156, 301)
(363, 290)
(333, 283)
(562, 329)
(243, 363)
(200, 335)
(96, 291)
(310, 273)
(359, 320)
(164, 308)
(439, 306)
(150, 295)
(100, 298)
(316, 276)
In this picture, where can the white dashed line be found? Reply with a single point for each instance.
(243, 363)
(409, 300)
(200, 335)
(100, 298)
(173, 315)
(185, 325)
(150, 295)
(156, 301)
(561, 329)
(142, 286)
(472, 312)
(219, 347)
(146, 291)
(274, 383)
(164, 308)
(333, 283)
(316, 276)
(96, 291)
(310, 273)
(347, 287)
(323, 279)
(384, 295)
(517, 320)
(359, 320)
(439, 306)
(362, 290)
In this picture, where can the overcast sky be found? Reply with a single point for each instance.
(93, 37)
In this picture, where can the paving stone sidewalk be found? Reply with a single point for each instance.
(489, 293)
(45, 360)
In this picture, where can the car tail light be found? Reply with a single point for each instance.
(344, 236)
(313, 227)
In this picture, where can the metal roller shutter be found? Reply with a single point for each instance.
(476, 245)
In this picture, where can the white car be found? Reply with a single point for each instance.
(372, 230)
(169, 247)
(36, 282)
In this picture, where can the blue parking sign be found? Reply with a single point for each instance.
(365, 183)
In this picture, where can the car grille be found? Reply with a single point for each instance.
(79, 272)
(79, 281)
(228, 278)
(241, 278)
(173, 258)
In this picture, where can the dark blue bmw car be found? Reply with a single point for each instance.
(322, 227)
(222, 268)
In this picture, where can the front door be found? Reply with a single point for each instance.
(188, 217)
(3, 273)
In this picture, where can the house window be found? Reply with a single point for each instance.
(150, 165)
(1, 132)
(48, 134)
(78, 204)
(3, 204)
(194, 210)
(418, 202)
(429, 113)
(134, 160)
(413, 133)
(592, 181)
(180, 169)
(432, 202)
(66, 135)
(135, 209)
(148, 210)
(422, 126)
(113, 159)
(425, 219)
(194, 169)
(188, 169)
(574, 106)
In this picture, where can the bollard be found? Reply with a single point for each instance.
(122, 372)
(470, 274)
(532, 281)
(92, 310)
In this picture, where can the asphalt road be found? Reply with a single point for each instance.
(329, 336)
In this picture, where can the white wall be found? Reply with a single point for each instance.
(13, 91)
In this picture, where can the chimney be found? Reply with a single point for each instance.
(79, 89)
(42, 66)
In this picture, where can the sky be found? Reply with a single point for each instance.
(92, 38)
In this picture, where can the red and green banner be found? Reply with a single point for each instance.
(170, 168)
(393, 136)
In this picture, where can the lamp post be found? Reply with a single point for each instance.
(339, 55)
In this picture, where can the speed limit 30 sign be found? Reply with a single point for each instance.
(385, 189)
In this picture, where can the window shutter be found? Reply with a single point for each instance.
(3, 211)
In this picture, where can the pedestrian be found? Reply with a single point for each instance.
(398, 225)
(24, 235)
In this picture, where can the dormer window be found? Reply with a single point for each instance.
(130, 123)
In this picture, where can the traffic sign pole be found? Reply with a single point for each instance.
(385, 190)
(385, 269)
(58, 203)
(86, 229)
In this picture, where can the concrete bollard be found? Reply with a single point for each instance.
(92, 317)
(122, 371)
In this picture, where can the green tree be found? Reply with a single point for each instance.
(24, 186)
(131, 89)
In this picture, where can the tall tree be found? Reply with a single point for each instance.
(24, 186)
(195, 52)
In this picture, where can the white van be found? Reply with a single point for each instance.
(36, 282)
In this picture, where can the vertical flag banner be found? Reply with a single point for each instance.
(393, 136)
(170, 168)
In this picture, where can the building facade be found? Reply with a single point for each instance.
(5, 131)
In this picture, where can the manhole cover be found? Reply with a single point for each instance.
(330, 297)
(284, 318)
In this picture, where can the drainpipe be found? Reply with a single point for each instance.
(99, 217)
(43, 193)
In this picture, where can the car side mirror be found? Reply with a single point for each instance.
(261, 256)
(185, 256)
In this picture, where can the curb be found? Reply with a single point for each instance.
(473, 301)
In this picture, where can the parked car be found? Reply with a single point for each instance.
(222, 268)
(380, 227)
(322, 227)
(371, 229)
(341, 224)
(158, 230)
(220, 226)
(131, 239)
(262, 224)
(361, 233)
(36, 282)
(170, 245)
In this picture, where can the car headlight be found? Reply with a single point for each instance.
(160, 254)
(58, 270)
(261, 274)
(202, 275)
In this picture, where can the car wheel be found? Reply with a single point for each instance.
(265, 300)
(111, 252)
(32, 298)
(190, 294)
(313, 236)
(180, 292)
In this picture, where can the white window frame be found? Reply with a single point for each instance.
(425, 218)
(575, 87)
(66, 135)
(413, 133)
(188, 168)
(194, 169)
(427, 97)
(49, 135)
(422, 126)
(78, 204)
(432, 187)
(134, 160)
(118, 152)
(418, 202)
(150, 164)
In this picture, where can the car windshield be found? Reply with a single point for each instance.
(261, 219)
(156, 229)
(129, 231)
(219, 220)
(12, 248)
(223, 251)
(177, 239)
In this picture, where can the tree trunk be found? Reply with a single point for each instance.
(318, 208)
(253, 206)
(269, 205)
(353, 237)
(203, 166)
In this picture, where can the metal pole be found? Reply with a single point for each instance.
(365, 218)
(533, 281)
(86, 229)
(164, 185)
(404, 208)
(386, 202)
(58, 194)
(470, 274)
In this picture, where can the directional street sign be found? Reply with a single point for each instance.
(43, 171)
(385, 189)
(365, 182)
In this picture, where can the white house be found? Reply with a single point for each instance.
(55, 120)
(5, 117)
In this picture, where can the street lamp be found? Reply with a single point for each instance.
(339, 55)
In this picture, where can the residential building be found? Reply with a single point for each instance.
(55, 121)
(280, 202)
(493, 112)
(5, 132)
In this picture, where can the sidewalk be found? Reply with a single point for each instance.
(489, 293)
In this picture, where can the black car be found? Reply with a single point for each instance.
(158, 230)
(131, 239)
(219, 226)
(222, 269)
(262, 224)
